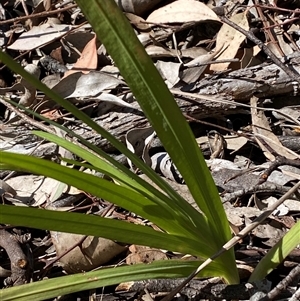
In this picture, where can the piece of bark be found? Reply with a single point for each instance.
(265, 80)
(198, 289)
(119, 120)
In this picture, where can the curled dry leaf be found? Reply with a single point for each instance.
(182, 11)
(138, 22)
(234, 143)
(29, 95)
(169, 72)
(271, 233)
(141, 254)
(34, 190)
(85, 85)
(156, 51)
(6, 189)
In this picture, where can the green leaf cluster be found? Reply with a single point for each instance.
(184, 229)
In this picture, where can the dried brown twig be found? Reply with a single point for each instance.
(38, 15)
(294, 275)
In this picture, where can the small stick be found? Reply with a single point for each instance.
(38, 15)
(283, 284)
(25, 117)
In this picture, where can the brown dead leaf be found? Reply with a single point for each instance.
(141, 254)
(230, 39)
(57, 54)
(272, 232)
(47, 4)
(194, 71)
(182, 11)
(53, 114)
(138, 22)
(88, 60)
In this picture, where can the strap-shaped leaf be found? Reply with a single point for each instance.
(158, 212)
(159, 106)
(131, 180)
(44, 290)
(96, 226)
(277, 254)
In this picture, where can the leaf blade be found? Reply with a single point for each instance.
(159, 213)
(109, 276)
(166, 118)
(277, 254)
(96, 226)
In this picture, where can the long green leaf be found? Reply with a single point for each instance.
(97, 226)
(158, 213)
(277, 254)
(69, 284)
(108, 228)
(160, 108)
(125, 177)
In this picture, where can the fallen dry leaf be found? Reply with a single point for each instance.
(88, 60)
(141, 254)
(182, 11)
(262, 132)
(230, 39)
(39, 35)
(93, 251)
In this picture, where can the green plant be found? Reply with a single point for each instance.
(185, 229)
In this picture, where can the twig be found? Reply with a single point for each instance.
(229, 102)
(212, 62)
(276, 8)
(249, 35)
(31, 121)
(296, 296)
(38, 15)
(282, 285)
(269, 34)
(18, 260)
(289, 21)
(275, 164)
